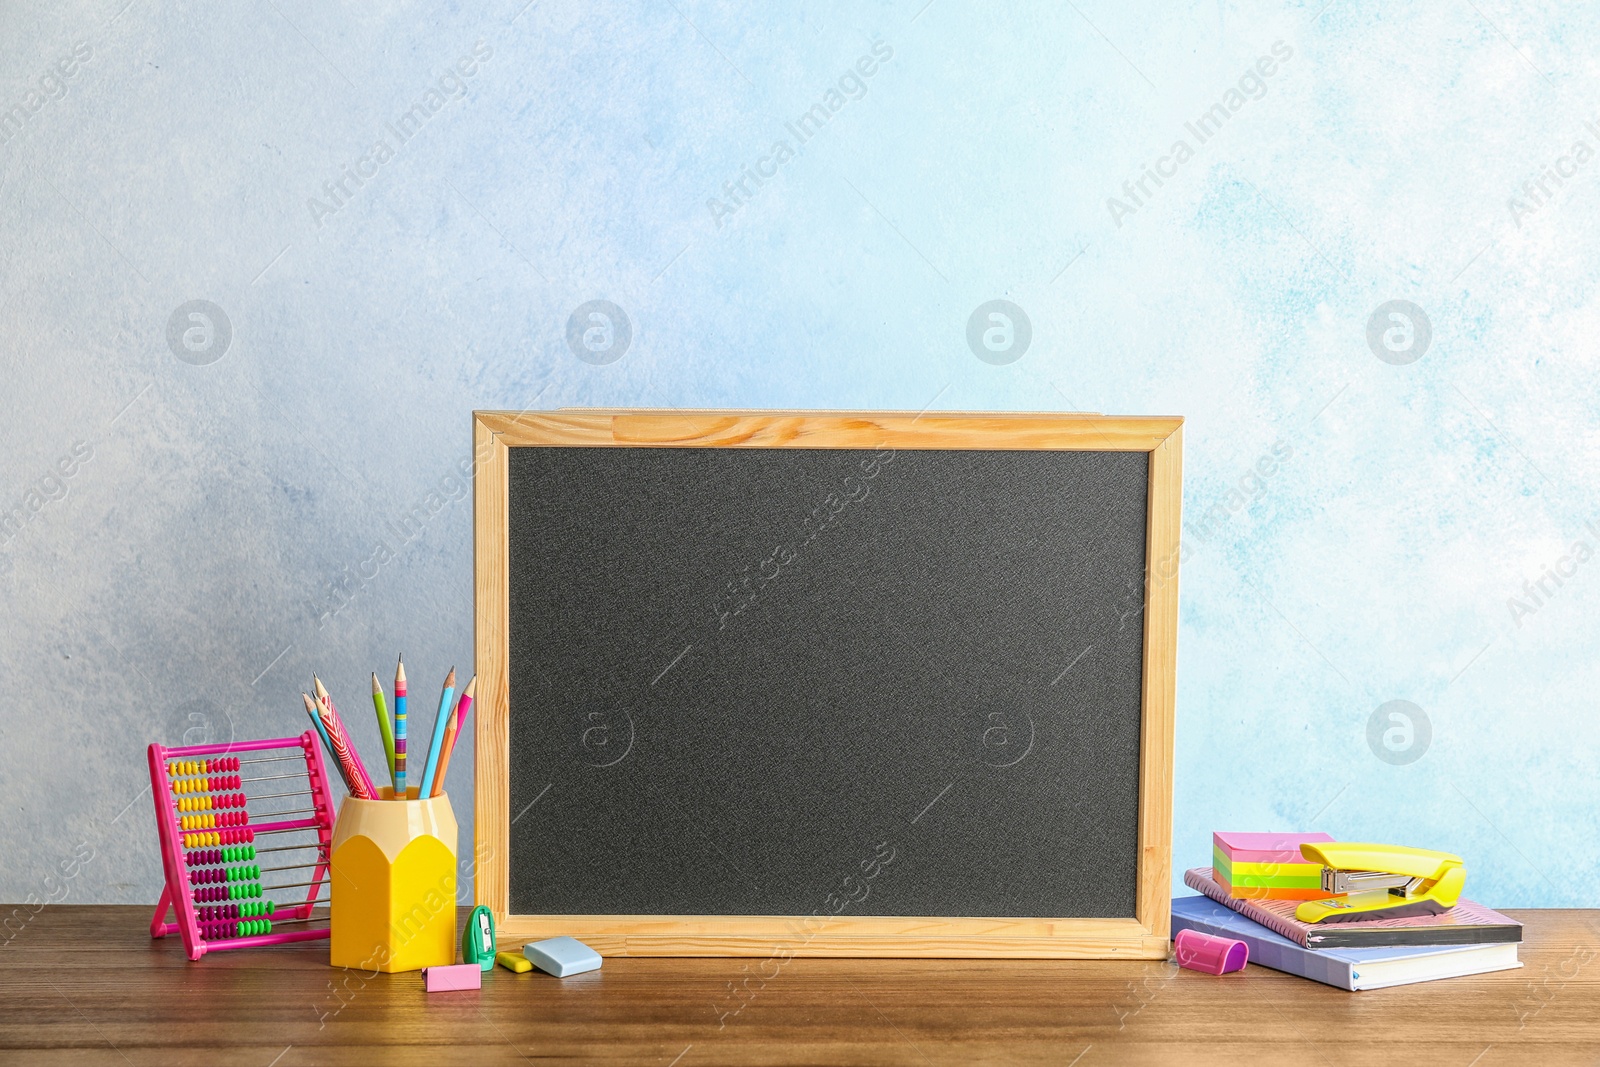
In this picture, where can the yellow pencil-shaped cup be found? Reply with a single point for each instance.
(393, 905)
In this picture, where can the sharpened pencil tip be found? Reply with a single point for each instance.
(450, 679)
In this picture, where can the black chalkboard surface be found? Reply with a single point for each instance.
(794, 681)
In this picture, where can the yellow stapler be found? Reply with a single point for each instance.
(1381, 882)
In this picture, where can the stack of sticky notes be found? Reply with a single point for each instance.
(1266, 866)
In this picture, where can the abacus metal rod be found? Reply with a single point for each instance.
(272, 777)
(295, 905)
(313, 898)
(296, 866)
(308, 825)
(275, 796)
(293, 885)
(273, 759)
(318, 845)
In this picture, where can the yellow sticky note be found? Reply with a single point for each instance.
(513, 961)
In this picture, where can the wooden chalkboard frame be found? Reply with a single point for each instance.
(1055, 937)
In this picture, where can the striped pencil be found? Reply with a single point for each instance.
(400, 729)
(311, 709)
(440, 724)
(451, 733)
(354, 771)
(325, 701)
(322, 731)
(384, 729)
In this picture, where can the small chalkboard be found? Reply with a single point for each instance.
(861, 684)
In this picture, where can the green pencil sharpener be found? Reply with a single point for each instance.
(477, 940)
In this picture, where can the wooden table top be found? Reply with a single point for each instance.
(86, 984)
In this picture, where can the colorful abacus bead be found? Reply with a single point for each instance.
(226, 854)
(230, 853)
(220, 929)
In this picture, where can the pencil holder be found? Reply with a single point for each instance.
(393, 905)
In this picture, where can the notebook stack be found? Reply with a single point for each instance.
(1368, 954)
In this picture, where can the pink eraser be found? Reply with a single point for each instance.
(1209, 953)
(454, 976)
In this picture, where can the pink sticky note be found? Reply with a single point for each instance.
(455, 976)
(1264, 848)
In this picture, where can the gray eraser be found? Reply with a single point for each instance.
(562, 956)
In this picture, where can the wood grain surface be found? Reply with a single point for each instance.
(823, 429)
(491, 732)
(86, 984)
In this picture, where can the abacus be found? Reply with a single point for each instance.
(209, 823)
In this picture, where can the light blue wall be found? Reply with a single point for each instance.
(180, 582)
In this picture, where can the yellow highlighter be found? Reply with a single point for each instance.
(1381, 882)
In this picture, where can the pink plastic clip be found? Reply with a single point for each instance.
(1208, 953)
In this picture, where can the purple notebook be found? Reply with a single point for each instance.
(1465, 924)
(1377, 967)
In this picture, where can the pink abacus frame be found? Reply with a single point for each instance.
(231, 821)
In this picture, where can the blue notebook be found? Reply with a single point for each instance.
(1347, 968)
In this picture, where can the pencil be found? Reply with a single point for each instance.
(451, 734)
(346, 755)
(440, 724)
(336, 732)
(322, 731)
(384, 729)
(400, 728)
